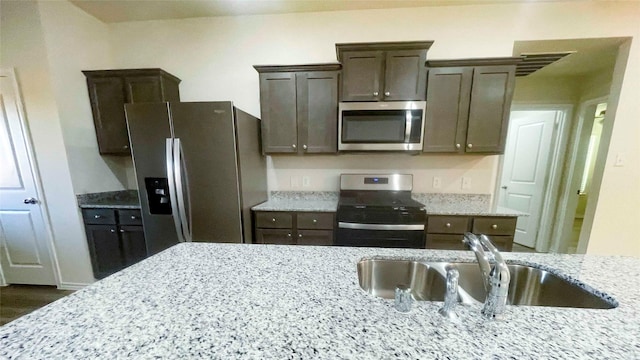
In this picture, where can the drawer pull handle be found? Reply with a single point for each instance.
(447, 225)
(494, 226)
(97, 216)
(315, 221)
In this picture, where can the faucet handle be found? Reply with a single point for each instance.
(451, 294)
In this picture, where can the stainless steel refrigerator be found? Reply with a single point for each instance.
(199, 170)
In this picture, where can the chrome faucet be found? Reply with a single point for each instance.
(495, 274)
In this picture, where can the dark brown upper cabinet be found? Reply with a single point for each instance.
(468, 105)
(392, 71)
(109, 90)
(299, 108)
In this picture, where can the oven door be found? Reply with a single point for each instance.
(380, 235)
(396, 125)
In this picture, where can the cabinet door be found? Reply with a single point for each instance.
(315, 237)
(104, 248)
(107, 98)
(278, 111)
(362, 74)
(317, 107)
(134, 248)
(142, 89)
(448, 93)
(405, 75)
(275, 236)
(491, 95)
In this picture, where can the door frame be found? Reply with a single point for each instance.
(33, 168)
(564, 221)
(560, 138)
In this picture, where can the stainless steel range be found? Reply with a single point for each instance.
(377, 211)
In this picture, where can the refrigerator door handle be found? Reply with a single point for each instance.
(172, 189)
(180, 182)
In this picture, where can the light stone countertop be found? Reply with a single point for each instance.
(123, 199)
(241, 301)
(435, 204)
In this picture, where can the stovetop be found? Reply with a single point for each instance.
(393, 200)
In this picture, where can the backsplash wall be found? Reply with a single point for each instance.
(288, 173)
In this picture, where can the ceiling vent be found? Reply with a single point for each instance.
(533, 62)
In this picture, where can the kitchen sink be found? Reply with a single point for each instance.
(381, 277)
(529, 286)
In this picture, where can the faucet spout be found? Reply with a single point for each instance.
(495, 274)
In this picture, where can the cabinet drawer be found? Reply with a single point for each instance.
(274, 236)
(315, 237)
(448, 224)
(99, 216)
(274, 220)
(315, 221)
(494, 225)
(445, 242)
(129, 217)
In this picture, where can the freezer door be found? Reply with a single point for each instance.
(207, 134)
(149, 128)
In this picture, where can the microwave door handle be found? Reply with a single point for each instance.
(407, 126)
(173, 198)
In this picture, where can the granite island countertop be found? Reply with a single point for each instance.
(229, 301)
(123, 199)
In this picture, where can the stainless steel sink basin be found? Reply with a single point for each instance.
(381, 277)
(531, 286)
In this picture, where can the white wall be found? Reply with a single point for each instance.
(22, 46)
(214, 58)
(77, 41)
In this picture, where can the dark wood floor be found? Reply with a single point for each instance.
(19, 300)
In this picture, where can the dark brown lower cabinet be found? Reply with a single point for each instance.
(446, 232)
(293, 228)
(113, 246)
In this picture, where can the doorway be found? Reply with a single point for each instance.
(26, 255)
(529, 180)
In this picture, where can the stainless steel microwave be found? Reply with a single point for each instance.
(381, 126)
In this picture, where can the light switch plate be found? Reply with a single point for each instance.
(295, 181)
(306, 181)
(436, 182)
(620, 160)
(466, 183)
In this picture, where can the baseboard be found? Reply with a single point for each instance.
(72, 286)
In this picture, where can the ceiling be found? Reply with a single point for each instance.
(112, 11)
(590, 54)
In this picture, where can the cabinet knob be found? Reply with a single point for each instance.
(386, 93)
(273, 220)
(133, 217)
(125, 147)
(299, 235)
(375, 93)
(289, 235)
(304, 147)
(457, 146)
(447, 225)
(293, 146)
(469, 146)
(113, 230)
(97, 216)
(315, 221)
(122, 231)
(494, 226)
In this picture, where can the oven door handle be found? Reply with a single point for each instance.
(397, 227)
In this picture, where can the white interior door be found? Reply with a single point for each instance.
(24, 250)
(525, 167)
